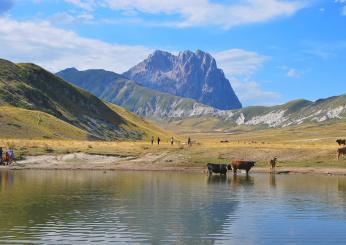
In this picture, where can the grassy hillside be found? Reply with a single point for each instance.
(30, 87)
(137, 122)
(16, 122)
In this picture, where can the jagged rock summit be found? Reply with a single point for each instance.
(189, 74)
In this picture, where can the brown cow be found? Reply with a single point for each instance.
(341, 151)
(273, 163)
(245, 165)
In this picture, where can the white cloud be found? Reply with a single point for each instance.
(239, 62)
(239, 65)
(343, 12)
(251, 93)
(84, 4)
(70, 18)
(56, 49)
(291, 72)
(202, 12)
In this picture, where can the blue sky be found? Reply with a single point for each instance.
(272, 51)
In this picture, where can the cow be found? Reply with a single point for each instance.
(341, 142)
(245, 165)
(218, 168)
(273, 163)
(341, 151)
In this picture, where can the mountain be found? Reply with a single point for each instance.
(47, 99)
(182, 111)
(143, 101)
(293, 113)
(190, 75)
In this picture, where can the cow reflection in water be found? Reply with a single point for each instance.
(272, 179)
(218, 179)
(234, 180)
(242, 180)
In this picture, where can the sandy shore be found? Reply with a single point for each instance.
(148, 162)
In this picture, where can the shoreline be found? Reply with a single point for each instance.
(95, 162)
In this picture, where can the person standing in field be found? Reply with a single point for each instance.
(1, 156)
(172, 140)
(11, 155)
(152, 140)
(158, 140)
(189, 142)
(7, 158)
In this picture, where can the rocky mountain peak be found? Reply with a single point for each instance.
(189, 74)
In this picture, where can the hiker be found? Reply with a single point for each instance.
(189, 142)
(158, 140)
(172, 141)
(152, 140)
(7, 158)
(10, 156)
(1, 156)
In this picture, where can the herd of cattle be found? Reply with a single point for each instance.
(235, 165)
(247, 165)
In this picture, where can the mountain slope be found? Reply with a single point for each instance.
(191, 75)
(30, 124)
(143, 101)
(165, 107)
(30, 87)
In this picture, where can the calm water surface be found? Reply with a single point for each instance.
(60, 207)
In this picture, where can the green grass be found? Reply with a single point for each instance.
(29, 124)
(29, 86)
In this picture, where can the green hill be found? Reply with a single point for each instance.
(17, 122)
(30, 87)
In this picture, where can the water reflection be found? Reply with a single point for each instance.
(243, 180)
(58, 207)
(218, 179)
(6, 179)
(272, 179)
(129, 206)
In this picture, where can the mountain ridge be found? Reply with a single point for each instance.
(164, 107)
(189, 74)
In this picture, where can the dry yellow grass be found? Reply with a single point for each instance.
(306, 146)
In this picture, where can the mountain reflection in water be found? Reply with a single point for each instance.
(62, 207)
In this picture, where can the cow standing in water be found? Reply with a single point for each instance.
(273, 163)
(218, 168)
(341, 151)
(245, 165)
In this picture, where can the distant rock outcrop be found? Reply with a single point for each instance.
(189, 74)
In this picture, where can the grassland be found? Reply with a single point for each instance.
(308, 146)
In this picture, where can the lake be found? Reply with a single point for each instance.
(96, 207)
